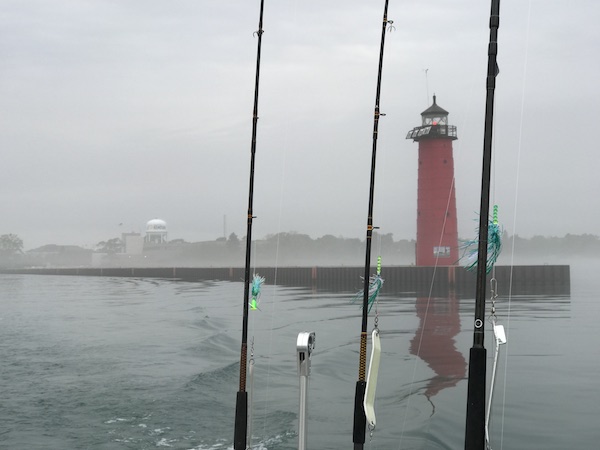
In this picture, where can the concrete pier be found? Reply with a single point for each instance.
(403, 280)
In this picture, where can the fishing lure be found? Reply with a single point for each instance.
(494, 246)
(375, 284)
(257, 282)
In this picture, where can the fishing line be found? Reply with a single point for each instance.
(426, 313)
(411, 391)
(460, 124)
(251, 361)
(275, 288)
(493, 292)
(424, 326)
(515, 212)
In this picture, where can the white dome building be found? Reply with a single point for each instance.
(156, 231)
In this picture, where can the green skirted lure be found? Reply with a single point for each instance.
(494, 246)
(375, 284)
(257, 282)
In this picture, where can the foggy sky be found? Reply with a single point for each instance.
(117, 112)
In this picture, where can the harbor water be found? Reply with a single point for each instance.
(139, 363)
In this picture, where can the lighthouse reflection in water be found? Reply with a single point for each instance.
(434, 341)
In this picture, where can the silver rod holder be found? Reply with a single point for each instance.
(304, 348)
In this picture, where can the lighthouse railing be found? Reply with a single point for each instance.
(432, 131)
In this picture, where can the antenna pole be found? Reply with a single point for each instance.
(241, 407)
(475, 420)
(360, 421)
(427, 87)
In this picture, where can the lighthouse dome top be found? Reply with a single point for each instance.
(435, 114)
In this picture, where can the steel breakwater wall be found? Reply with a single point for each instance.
(409, 280)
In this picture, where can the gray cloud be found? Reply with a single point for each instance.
(118, 112)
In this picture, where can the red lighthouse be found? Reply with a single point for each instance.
(437, 231)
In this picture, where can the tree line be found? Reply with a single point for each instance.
(292, 248)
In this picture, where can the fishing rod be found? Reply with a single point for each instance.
(241, 406)
(360, 421)
(475, 420)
